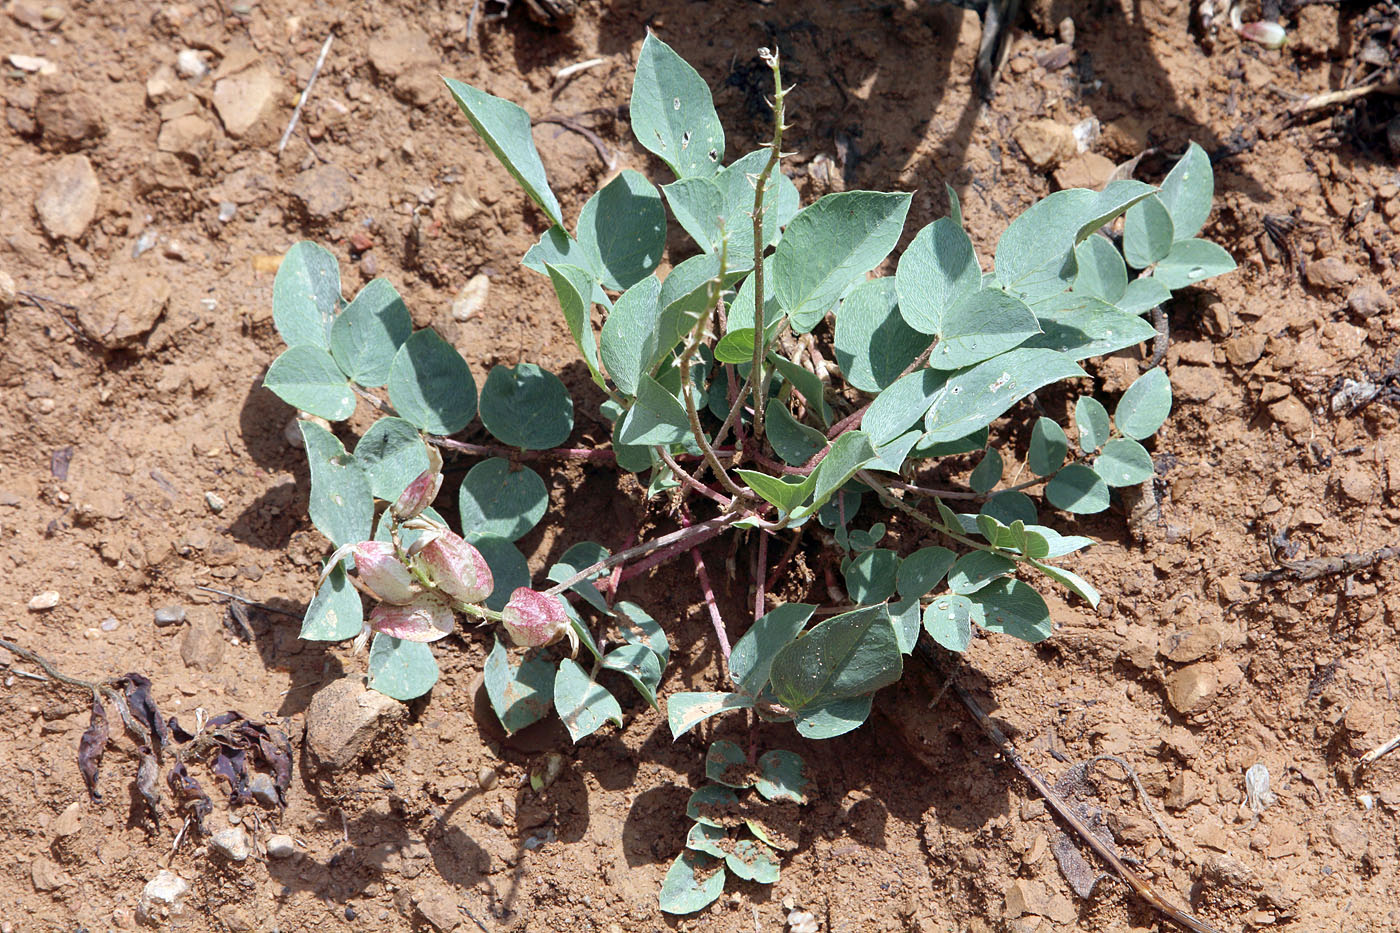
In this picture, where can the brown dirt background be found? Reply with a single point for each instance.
(1299, 677)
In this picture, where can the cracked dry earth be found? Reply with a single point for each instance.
(142, 198)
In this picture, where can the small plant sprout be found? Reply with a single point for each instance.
(768, 388)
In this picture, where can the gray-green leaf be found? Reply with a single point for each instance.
(1092, 420)
(1123, 462)
(692, 883)
(870, 576)
(1048, 447)
(752, 656)
(846, 656)
(341, 505)
(987, 473)
(404, 670)
(829, 245)
(1145, 405)
(782, 775)
(526, 406)
(581, 703)
(980, 325)
(336, 613)
(673, 114)
(509, 568)
(1102, 272)
(1148, 232)
(1191, 262)
(431, 385)
(977, 569)
(307, 378)
(392, 454)
(1013, 608)
(972, 398)
(505, 127)
(832, 719)
(522, 694)
(367, 334)
(657, 417)
(948, 621)
(1077, 489)
(629, 334)
(873, 343)
(1187, 192)
(622, 230)
(306, 295)
(923, 570)
(685, 710)
(495, 499)
(937, 270)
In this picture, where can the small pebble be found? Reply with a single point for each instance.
(45, 600)
(369, 265)
(487, 778)
(264, 790)
(8, 292)
(175, 249)
(349, 912)
(280, 846)
(144, 243)
(109, 624)
(226, 211)
(169, 615)
(231, 843)
(214, 501)
(190, 63)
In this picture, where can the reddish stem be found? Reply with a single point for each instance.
(720, 634)
(845, 423)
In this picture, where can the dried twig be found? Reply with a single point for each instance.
(1301, 571)
(306, 92)
(248, 602)
(103, 687)
(1375, 754)
(569, 123)
(563, 74)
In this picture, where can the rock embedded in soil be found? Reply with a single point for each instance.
(8, 292)
(187, 136)
(1193, 643)
(1184, 790)
(323, 191)
(1331, 272)
(264, 790)
(69, 119)
(1193, 688)
(1293, 416)
(280, 846)
(45, 875)
(1046, 143)
(401, 51)
(68, 202)
(44, 601)
(439, 908)
(247, 102)
(169, 615)
(203, 646)
(1087, 170)
(129, 301)
(232, 844)
(470, 299)
(1365, 301)
(344, 719)
(163, 897)
(70, 821)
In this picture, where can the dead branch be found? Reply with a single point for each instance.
(1301, 571)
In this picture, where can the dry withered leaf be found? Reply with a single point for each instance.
(138, 697)
(92, 746)
(187, 790)
(147, 775)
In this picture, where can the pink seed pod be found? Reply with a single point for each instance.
(455, 567)
(1269, 35)
(427, 618)
(379, 569)
(534, 620)
(418, 496)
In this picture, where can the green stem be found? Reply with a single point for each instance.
(481, 612)
(775, 153)
(888, 496)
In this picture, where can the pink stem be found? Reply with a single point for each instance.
(708, 591)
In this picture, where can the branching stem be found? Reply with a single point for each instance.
(775, 153)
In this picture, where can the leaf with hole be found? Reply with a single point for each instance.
(672, 113)
(972, 398)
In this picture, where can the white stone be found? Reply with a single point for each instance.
(233, 844)
(281, 846)
(190, 63)
(163, 895)
(45, 600)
